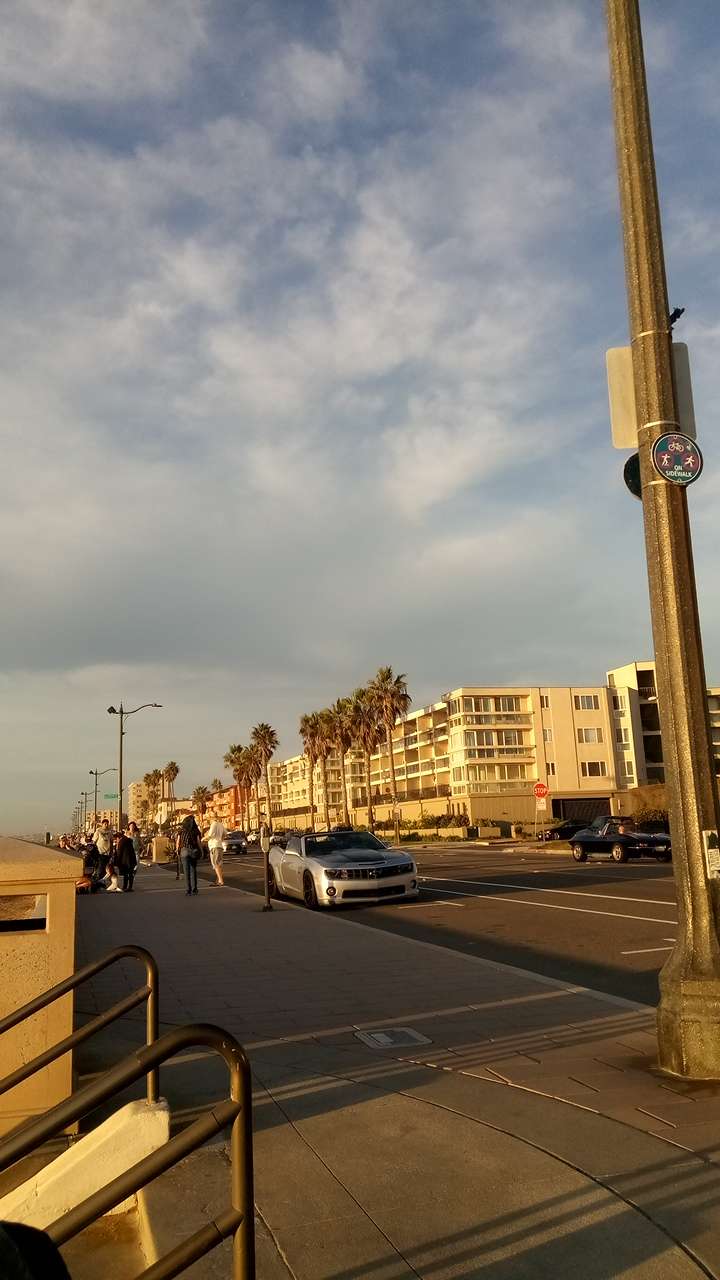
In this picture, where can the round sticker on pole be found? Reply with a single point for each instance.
(677, 458)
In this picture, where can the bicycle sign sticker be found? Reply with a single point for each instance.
(677, 458)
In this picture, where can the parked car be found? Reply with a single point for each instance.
(326, 868)
(563, 831)
(619, 838)
(235, 842)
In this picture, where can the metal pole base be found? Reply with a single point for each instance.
(268, 907)
(688, 1026)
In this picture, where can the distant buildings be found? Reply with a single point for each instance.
(479, 751)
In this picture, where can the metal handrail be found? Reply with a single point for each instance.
(237, 1221)
(149, 993)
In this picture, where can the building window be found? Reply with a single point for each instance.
(622, 734)
(590, 735)
(618, 702)
(458, 775)
(551, 768)
(629, 769)
(593, 769)
(547, 735)
(586, 702)
(544, 702)
(509, 738)
(507, 704)
(479, 738)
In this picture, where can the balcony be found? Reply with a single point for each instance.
(520, 787)
(359, 798)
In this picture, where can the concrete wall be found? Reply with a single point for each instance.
(35, 882)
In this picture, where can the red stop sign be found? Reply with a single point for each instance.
(540, 790)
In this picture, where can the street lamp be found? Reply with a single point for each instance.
(688, 1026)
(99, 773)
(85, 795)
(123, 714)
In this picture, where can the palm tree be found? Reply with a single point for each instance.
(153, 782)
(310, 733)
(253, 769)
(393, 701)
(233, 760)
(200, 797)
(367, 731)
(325, 745)
(340, 723)
(217, 784)
(170, 773)
(265, 740)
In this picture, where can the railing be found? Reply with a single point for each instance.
(147, 993)
(237, 1221)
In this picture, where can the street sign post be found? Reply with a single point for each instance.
(111, 795)
(540, 791)
(677, 458)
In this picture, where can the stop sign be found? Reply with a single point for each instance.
(540, 790)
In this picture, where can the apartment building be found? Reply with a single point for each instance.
(639, 679)
(137, 794)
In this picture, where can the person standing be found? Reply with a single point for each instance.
(103, 841)
(134, 834)
(125, 860)
(189, 848)
(214, 837)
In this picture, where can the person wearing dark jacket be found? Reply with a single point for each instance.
(189, 849)
(125, 860)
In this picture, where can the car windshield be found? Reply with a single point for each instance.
(340, 841)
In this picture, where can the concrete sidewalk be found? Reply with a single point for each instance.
(523, 1132)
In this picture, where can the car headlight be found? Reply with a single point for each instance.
(331, 873)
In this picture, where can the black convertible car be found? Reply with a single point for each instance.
(619, 838)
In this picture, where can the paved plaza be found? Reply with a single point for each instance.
(523, 1132)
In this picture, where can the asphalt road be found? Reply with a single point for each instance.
(598, 924)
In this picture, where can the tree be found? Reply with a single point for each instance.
(153, 782)
(340, 723)
(217, 784)
(265, 740)
(325, 745)
(233, 760)
(393, 700)
(200, 797)
(310, 733)
(253, 768)
(367, 732)
(170, 773)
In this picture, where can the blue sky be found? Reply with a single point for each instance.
(302, 364)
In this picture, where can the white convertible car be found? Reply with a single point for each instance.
(326, 868)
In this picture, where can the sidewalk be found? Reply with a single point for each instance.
(525, 1134)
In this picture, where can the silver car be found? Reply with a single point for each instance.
(324, 869)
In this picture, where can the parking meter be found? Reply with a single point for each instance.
(265, 847)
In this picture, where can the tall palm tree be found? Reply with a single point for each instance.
(340, 722)
(253, 768)
(265, 740)
(217, 784)
(153, 781)
(170, 773)
(393, 700)
(367, 731)
(310, 732)
(200, 797)
(325, 745)
(233, 760)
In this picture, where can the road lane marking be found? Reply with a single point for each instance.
(644, 951)
(573, 893)
(549, 906)
(413, 906)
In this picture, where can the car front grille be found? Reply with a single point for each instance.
(376, 873)
(382, 891)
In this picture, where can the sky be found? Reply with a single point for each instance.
(302, 364)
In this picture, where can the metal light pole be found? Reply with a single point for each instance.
(99, 773)
(688, 1017)
(85, 795)
(123, 714)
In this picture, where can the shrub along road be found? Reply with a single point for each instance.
(598, 924)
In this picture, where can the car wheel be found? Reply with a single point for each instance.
(309, 892)
(664, 857)
(618, 853)
(272, 883)
(579, 853)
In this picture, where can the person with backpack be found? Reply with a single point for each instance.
(189, 850)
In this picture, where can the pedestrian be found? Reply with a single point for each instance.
(110, 879)
(103, 841)
(134, 834)
(124, 859)
(214, 837)
(189, 849)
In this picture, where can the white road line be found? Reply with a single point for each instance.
(573, 893)
(644, 951)
(550, 906)
(413, 906)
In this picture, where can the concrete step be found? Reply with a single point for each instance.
(111, 1248)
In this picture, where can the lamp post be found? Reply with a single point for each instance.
(85, 795)
(123, 714)
(99, 773)
(688, 1017)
